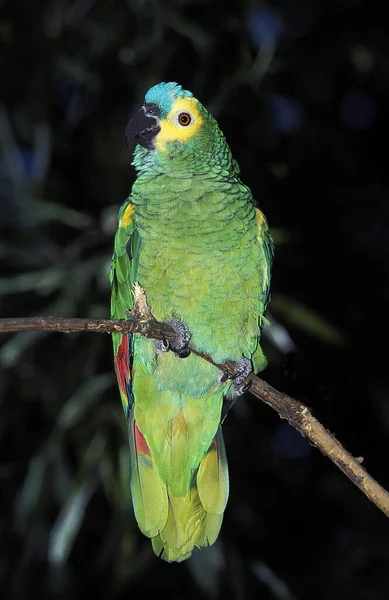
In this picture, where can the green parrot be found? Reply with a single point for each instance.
(190, 236)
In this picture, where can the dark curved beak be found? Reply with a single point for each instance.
(144, 126)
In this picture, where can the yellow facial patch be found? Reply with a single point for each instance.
(172, 131)
(126, 218)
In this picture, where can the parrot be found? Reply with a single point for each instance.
(190, 235)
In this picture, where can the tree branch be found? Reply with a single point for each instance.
(296, 413)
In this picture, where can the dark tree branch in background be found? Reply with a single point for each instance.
(296, 413)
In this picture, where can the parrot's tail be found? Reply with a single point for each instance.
(176, 524)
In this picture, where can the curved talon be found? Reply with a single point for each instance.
(183, 353)
(164, 341)
(222, 376)
(245, 388)
(162, 345)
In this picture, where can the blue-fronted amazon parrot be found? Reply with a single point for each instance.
(190, 235)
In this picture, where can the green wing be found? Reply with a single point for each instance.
(148, 492)
(122, 278)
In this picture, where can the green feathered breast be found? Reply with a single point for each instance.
(190, 235)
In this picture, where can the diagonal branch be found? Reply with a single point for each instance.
(296, 413)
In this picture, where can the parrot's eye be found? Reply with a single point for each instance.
(184, 119)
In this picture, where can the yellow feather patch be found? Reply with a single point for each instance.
(260, 219)
(261, 222)
(172, 131)
(126, 218)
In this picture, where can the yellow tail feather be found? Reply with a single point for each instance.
(188, 525)
(196, 518)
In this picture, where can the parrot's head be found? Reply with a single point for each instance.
(173, 130)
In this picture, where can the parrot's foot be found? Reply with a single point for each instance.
(243, 368)
(180, 344)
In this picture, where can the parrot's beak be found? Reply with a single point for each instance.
(144, 126)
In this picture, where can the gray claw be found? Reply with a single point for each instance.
(243, 368)
(182, 337)
(179, 346)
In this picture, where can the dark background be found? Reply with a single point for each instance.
(301, 91)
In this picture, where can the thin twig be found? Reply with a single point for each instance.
(296, 413)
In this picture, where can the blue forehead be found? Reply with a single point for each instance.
(164, 95)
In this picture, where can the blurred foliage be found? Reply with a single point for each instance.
(300, 89)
